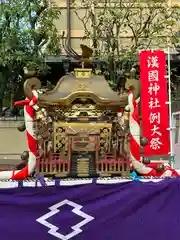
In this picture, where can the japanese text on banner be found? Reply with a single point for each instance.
(154, 108)
(154, 104)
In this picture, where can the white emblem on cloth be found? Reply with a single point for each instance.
(76, 229)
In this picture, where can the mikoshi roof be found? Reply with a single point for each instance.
(83, 84)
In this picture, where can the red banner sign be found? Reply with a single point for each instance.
(154, 110)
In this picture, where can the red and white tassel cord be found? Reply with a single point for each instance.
(134, 125)
(29, 108)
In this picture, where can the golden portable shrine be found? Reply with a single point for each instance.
(78, 129)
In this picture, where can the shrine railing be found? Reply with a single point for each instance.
(53, 165)
(56, 166)
(113, 167)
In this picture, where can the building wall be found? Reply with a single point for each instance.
(77, 28)
(174, 2)
(12, 142)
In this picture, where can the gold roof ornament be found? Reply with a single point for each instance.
(81, 75)
(86, 51)
(83, 72)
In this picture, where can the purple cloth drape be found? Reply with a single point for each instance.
(132, 210)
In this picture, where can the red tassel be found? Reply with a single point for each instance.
(22, 103)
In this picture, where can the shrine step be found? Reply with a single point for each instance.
(73, 171)
(92, 168)
(83, 167)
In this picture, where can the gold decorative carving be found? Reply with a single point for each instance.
(82, 72)
(63, 130)
(105, 140)
(120, 140)
(89, 125)
(78, 110)
(60, 140)
(81, 85)
(82, 144)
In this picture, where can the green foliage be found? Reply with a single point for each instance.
(27, 30)
(120, 29)
(175, 86)
(27, 35)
